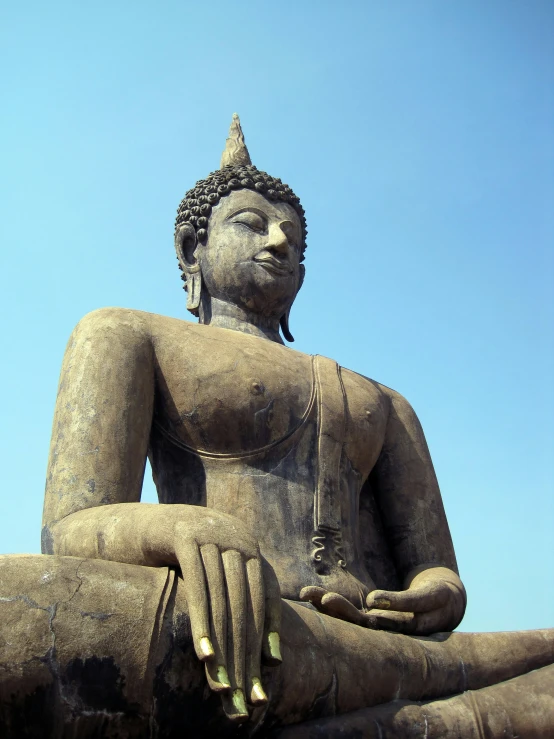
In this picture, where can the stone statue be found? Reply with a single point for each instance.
(299, 570)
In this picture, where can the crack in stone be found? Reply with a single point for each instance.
(79, 578)
(50, 659)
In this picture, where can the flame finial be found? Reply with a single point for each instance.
(235, 152)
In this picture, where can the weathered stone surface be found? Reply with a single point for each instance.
(300, 526)
(100, 648)
(521, 707)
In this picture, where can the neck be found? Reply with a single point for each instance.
(216, 312)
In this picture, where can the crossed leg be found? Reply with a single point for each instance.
(90, 647)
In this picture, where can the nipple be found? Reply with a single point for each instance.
(257, 387)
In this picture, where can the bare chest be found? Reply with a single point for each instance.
(227, 393)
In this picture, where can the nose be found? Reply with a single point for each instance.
(277, 241)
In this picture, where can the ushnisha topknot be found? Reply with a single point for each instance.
(237, 173)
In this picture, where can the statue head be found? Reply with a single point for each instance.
(240, 237)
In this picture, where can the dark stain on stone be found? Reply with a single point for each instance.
(179, 714)
(98, 683)
(46, 541)
(32, 716)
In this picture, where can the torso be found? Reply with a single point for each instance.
(245, 406)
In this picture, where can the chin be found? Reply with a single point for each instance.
(264, 304)
(270, 302)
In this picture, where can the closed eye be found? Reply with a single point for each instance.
(252, 221)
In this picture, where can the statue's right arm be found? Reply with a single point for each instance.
(102, 420)
(98, 452)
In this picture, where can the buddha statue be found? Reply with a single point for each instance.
(297, 577)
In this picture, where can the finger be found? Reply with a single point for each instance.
(338, 606)
(194, 584)
(234, 703)
(271, 644)
(254, 631)
(216, 668)
(425, 597)
(313, 594)
(401, 622)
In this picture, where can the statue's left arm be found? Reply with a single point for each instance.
(407, 493)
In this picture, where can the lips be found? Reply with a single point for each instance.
(272, 264)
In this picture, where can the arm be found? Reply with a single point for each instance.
(98, 452)
(101, 421)
(407, 493)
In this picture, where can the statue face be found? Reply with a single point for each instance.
(252, 254)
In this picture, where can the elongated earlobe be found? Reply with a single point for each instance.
(194, 290)
(284, 322)
(185, 246)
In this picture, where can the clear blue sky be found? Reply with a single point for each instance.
(420, 138)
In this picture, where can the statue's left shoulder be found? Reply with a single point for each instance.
(362, 390)
(392, 397)
(364, 393)
(400, 409)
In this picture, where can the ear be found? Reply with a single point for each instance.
(185, 246)
(284, 321)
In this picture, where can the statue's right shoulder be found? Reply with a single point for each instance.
(127, 324)
(113, 318)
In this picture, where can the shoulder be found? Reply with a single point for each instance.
(395, 403)
(403, 429)
(113, 319)
(127, 325)
(398, 402)
(402, 417)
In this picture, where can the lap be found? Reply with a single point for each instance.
(93, 641)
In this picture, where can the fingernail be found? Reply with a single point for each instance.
(206, 648)
(382, 603)
(239, 703)
(223, 677)
(258, 693)
(274, 645)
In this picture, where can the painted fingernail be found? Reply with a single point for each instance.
(274, 645)
(239, 703)
(223, 677)
(257, 695)
(206, 648)
(382, 603)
